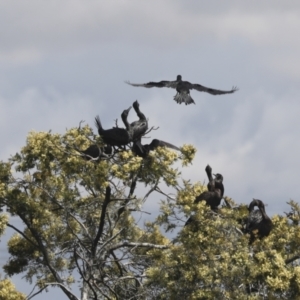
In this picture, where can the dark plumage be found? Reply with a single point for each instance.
(137, 128)
(215, 192)
(215, 187)
(183, 89)
(114, 136)
(143, 150)
(96, 153)
(258, 223)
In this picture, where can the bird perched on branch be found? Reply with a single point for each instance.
(114, 136)
(94, 152)
(215, 187)
(183, 89)
(258, 223)
(215, 192)
(138, 128)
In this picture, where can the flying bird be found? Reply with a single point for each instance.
(258, 223)
(183, 89)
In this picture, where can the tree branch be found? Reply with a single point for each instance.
(21, 233)
(63, 288)
(144, 245)
(42, 248)
(102, 219)
(33, 295)
(290, 260)
(83, 275)
(150, 191)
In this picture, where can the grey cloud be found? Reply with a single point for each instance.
(64, 61)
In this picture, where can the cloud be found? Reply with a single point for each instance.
(63, 25)
(64, 61)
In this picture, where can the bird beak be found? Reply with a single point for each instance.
(128, 109)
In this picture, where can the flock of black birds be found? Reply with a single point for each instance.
(258, 224)
(118, 138)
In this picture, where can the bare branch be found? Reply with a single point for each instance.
(101, 223)
(23, 235)
(292, 259)
(63, 287)
(83, 275)
(112, 238)
(81, 225)
(144, 245)
(150, 191)
(33, 295)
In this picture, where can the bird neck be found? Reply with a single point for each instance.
(125, 121)
(263, 213)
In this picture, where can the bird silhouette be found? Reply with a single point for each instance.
(258, 223)
(137, 128)
(94, 152)
(183, 89)
(215, 192)
(143, 150)
(114, 136)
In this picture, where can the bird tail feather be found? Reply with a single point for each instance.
(98, 124)
(183, 97)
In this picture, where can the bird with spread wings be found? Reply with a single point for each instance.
(183, 89)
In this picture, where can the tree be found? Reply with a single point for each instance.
(77, 214)
(79, 226)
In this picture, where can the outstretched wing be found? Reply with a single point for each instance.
(164, 83)
(201, 88)
(158, 143)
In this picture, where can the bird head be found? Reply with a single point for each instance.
(125, 112)
(136, 104)
(218, 177)
(179, 78)
(258, 203)
(255, 202)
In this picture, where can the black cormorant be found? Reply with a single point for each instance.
(143, 150)
(96, 153)
(215, 192)
(215, 187)
(114, 136)
(138, 128)
(258, 223)
(183, 89)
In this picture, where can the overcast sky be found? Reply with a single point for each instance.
(65, 61)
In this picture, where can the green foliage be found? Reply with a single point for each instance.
(78, 219)
(212, 259)
(78, 213)
(8, 291)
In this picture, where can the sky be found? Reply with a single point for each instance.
(66, 61)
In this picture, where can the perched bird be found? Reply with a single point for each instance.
(138, 128)
(114, 136)
(258, 223)
(183, 89)
(215, 192)
(143, 150)
(94, 152)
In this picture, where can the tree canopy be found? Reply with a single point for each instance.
(80, 228)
